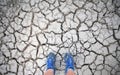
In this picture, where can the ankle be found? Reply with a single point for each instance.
(70, 72)
(49, 72)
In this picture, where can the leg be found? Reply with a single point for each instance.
(50, 64)
(49, 72)
(70, 72)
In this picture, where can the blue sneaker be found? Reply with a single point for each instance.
(69, 62)
(51, 61)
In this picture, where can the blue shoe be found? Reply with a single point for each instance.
(69, 62)
(51, 61)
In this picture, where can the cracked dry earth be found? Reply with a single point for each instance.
(31, 29)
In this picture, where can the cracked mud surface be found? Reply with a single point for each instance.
(30, 29)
